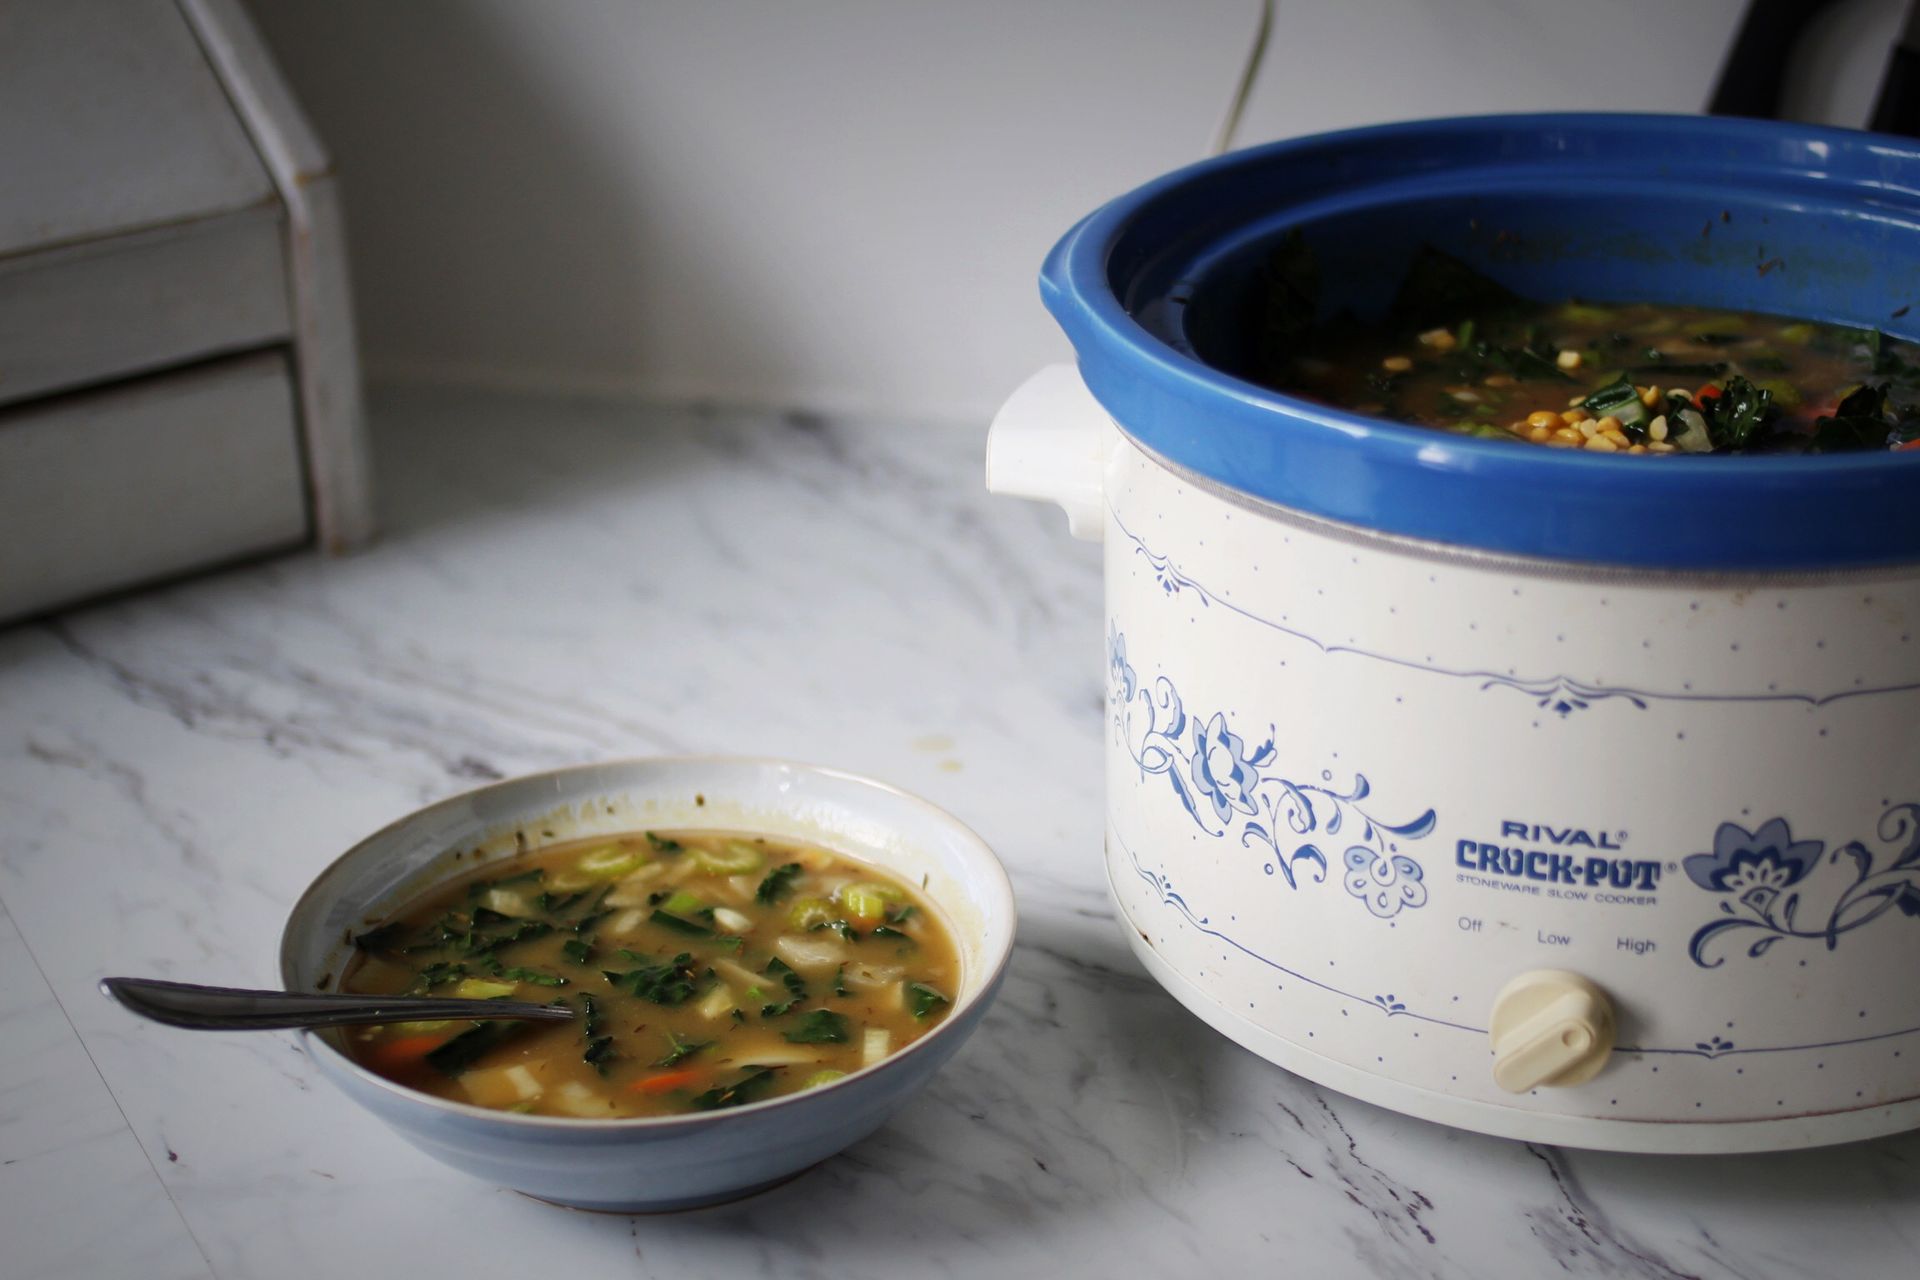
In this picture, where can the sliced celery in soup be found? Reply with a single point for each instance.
(707, 970)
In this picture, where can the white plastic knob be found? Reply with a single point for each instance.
(1550, 1027)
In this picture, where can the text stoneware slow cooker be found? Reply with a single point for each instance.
(1559, 796)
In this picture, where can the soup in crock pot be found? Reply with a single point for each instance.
(707, 970)
(1459, 352)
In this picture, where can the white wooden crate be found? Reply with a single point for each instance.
(170, 251)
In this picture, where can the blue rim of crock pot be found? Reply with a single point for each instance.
(1729, 514)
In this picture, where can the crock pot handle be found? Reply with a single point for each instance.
(1049, 442)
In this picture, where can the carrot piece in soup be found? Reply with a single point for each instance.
(404, 1053)
(668, 1081)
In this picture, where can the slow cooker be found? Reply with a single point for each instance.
(1561, 796)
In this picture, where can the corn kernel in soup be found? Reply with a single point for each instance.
(707, 970)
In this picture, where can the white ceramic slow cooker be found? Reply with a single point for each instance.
(1555, 796)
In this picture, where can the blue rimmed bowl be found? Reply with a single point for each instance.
(672, 1162)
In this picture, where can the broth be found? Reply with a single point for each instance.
(709, 970)
(1459, 352)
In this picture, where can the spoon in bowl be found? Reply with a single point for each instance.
(184, 1004)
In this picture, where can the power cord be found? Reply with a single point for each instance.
(1243, 88)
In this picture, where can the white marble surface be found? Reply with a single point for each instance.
(561, 582)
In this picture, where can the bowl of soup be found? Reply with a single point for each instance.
(1512, 578)
(765, 960)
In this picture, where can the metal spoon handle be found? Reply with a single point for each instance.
(183, 1004)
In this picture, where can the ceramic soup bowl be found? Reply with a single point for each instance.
(671, 1162)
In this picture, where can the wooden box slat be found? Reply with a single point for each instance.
(98, 311)
(147, 479)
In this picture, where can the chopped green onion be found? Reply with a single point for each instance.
(609, 862)
(811, 913)
(868, 900)
(733, 858)
(681, 903)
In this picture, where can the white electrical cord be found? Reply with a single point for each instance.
(1243, 89)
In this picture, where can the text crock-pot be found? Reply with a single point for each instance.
(1554, 795)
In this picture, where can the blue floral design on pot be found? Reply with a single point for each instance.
(1764, 870)
(1227, 789)
(1385, 882)
(1120, 675)
(1754, 866)
(1221, 770)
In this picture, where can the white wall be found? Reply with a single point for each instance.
(843, 203)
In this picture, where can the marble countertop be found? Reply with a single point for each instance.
(564, 581)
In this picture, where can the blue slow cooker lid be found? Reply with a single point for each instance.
(1821, 224)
